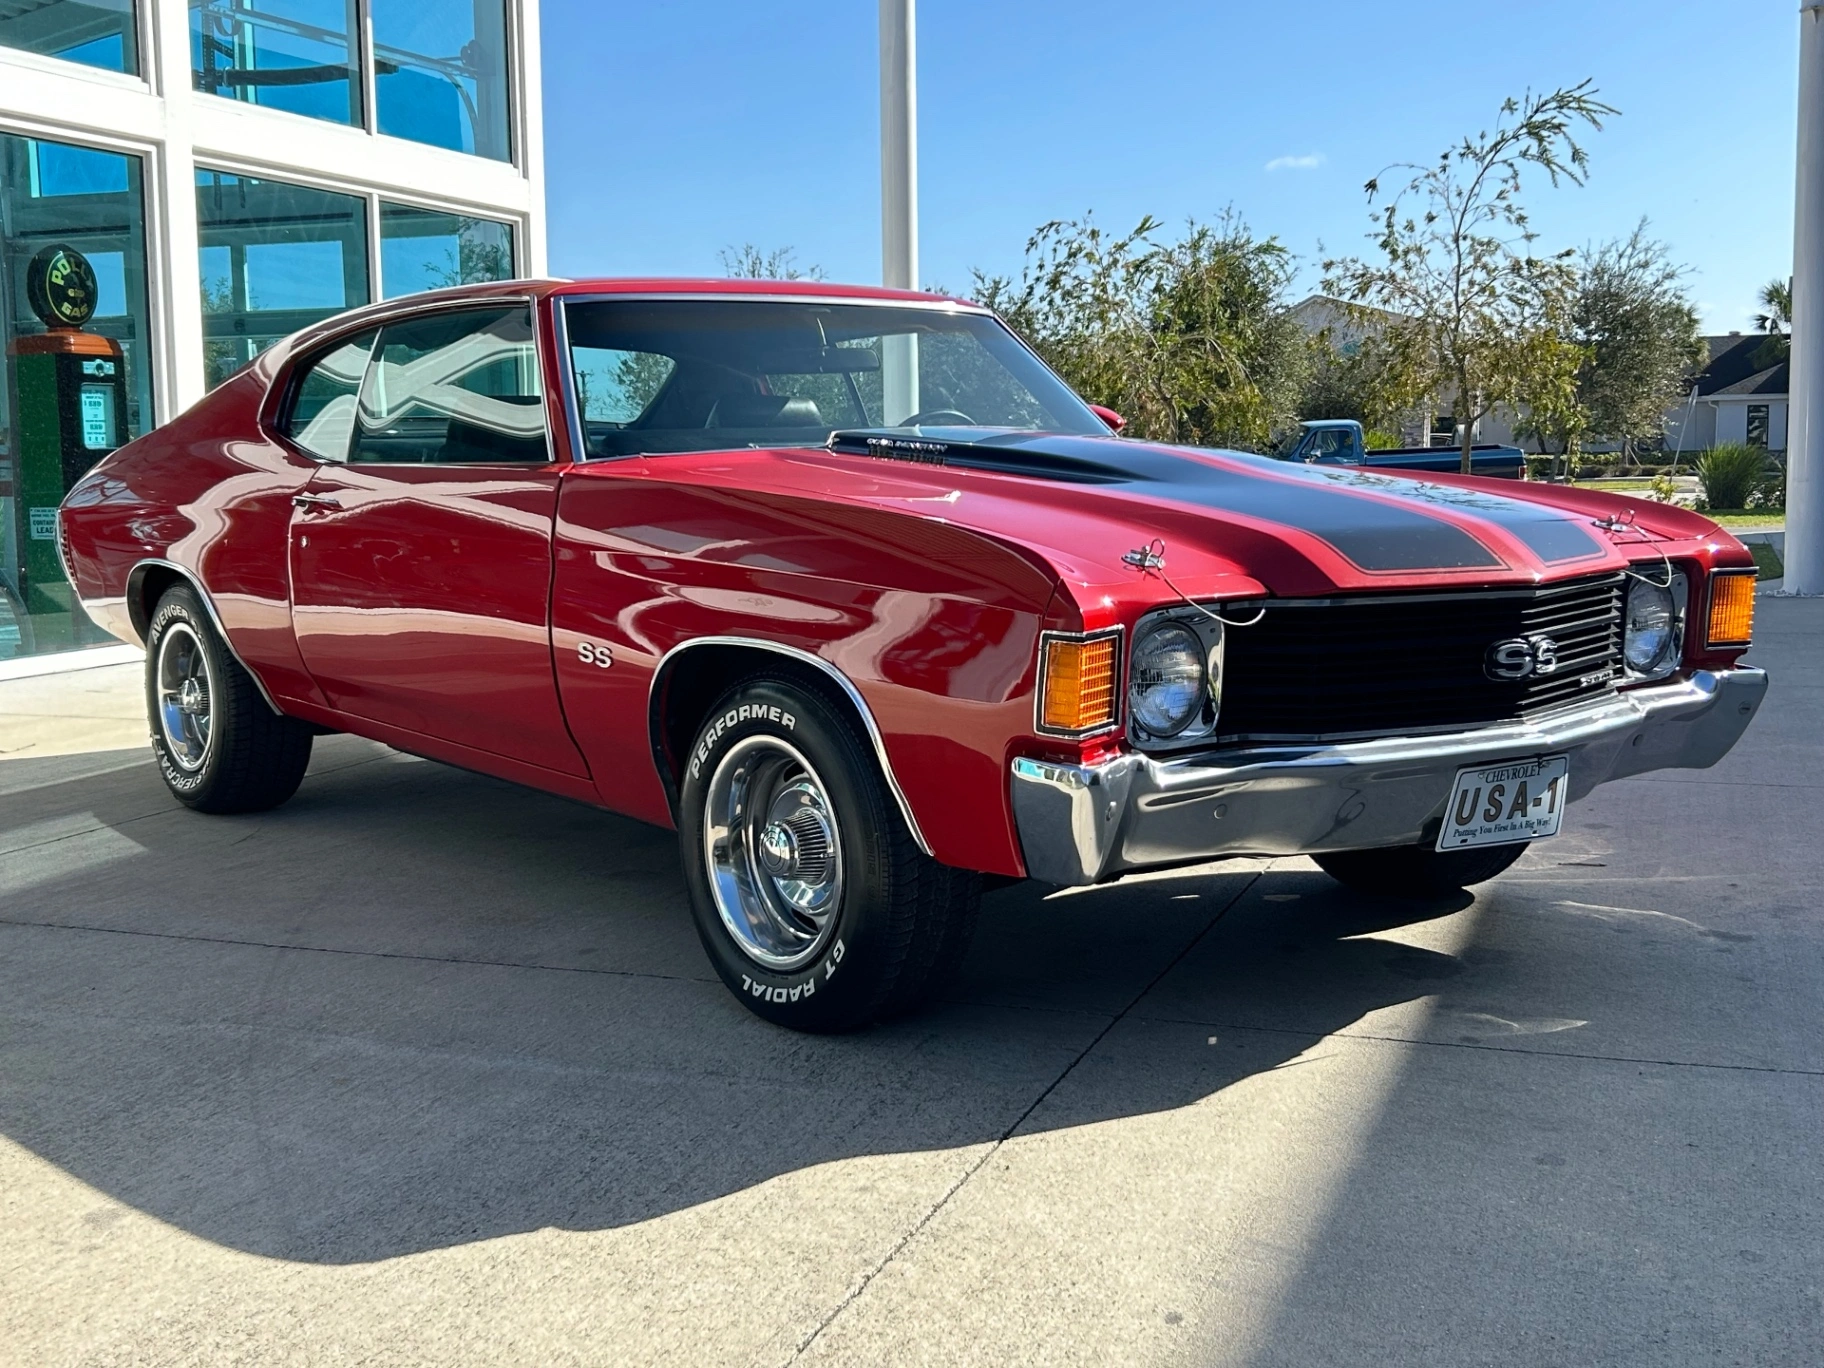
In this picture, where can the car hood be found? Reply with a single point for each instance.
(1295, 528)
(1224, 524)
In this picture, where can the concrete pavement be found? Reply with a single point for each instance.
(423, 1068)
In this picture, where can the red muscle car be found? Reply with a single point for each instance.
(850, 589)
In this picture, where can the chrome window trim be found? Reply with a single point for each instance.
(805, 657)
(297, 368)
(1046, 638)
(379, 313)
(1709, 604)
(934, 303)
(134, 577)
(566, 381)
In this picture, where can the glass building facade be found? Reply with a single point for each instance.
(438, 68)
(60, 194)
(337, 131)
(96, 33)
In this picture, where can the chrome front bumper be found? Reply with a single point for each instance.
(1080, 824)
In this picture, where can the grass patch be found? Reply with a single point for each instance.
(1770, 519)
(1619, 485)
(1766, 560)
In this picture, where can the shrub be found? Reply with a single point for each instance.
(1730, 473)
(1771, 492)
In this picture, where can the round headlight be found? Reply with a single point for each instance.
(1165, 684)
(1651, 638)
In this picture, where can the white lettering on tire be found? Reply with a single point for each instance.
(772, 994)
(734, 717)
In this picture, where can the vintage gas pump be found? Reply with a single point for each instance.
(72, 392)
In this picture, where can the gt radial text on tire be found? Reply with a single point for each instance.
(1417, 871)
(220, 747)
(814, 903)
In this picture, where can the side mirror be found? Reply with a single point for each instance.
(1114, 420)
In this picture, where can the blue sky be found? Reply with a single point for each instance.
(674, 130)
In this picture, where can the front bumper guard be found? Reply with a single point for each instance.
(1081, 824)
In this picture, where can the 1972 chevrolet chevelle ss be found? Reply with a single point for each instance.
(849, 588)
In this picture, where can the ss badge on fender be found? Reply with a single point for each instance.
(594, 653)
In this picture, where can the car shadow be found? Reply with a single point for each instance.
(417, 1008)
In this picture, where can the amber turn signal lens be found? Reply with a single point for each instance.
(1079, 685)
(1731, 609)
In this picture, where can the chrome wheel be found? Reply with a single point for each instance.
(185, 697)
(773, 853)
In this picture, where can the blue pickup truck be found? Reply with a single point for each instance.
(1338, 441)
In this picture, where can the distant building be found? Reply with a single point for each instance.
(1739, 397)
(1346, 324)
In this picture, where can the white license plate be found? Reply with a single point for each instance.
(1519, 801)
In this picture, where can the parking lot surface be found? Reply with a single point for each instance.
(424, 1068)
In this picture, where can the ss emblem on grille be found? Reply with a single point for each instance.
(1521, 658)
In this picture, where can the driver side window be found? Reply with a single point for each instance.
(458, 387)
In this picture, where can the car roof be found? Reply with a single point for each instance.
(272, 360)
(723, 286)
(696, 287)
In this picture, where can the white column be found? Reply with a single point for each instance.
(528, 87)
(899, 193)
(181, 295)
(1805, 433)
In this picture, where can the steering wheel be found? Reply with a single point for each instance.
(939, 418)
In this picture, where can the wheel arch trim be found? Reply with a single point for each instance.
(141, 618)
(669, 660)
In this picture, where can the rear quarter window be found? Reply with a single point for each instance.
(325, 396)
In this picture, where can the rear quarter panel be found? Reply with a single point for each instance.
(207, 492)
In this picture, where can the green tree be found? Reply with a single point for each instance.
(474, 258)
(748, 262)
(1639, 335)
(1776, 321)
(1187, 339)
(1776, 300)
(1484, 316)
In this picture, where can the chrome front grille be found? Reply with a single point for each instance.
(1412, 663)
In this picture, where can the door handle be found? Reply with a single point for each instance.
(310, 501)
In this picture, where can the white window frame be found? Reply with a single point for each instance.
(156, 346)
(174, 129)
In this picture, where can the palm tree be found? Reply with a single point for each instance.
(1777, 299)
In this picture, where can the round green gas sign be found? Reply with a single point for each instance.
(60, 287)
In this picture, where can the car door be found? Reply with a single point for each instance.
(421, 548)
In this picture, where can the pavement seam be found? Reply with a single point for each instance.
(358, 954)
(1496, 1049)
(861, 1285)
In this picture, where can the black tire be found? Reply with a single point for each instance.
(246, 757)
(1417, 871)
(897, 923)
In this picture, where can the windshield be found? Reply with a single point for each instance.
(710, 374)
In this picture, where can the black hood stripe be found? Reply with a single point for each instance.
(1390, 533)
(1548, 533)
